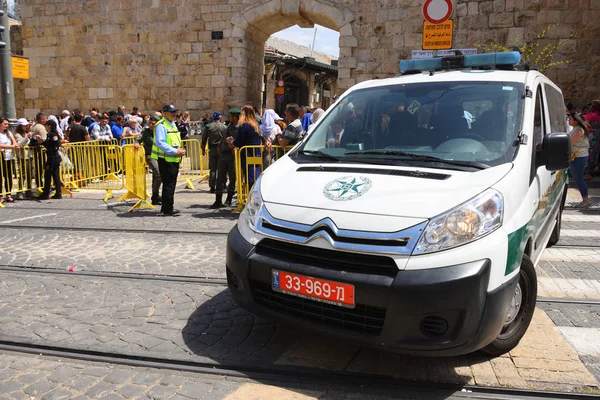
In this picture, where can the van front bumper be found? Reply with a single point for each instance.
(435, 312)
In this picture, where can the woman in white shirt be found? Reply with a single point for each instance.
(7, 146)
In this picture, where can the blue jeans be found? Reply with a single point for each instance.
(576, 170)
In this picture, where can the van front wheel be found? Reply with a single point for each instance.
(521, 310)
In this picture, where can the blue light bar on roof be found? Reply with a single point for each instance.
(470, 61)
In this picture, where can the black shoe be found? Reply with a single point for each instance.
(228, 200)
(55, 197)
(156, 202)
(172, 213)
(218, 202)
(213, 190)
(42, 197)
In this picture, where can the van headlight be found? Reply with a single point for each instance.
(466, 223)
(249, 216)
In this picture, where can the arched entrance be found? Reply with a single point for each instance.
(253, 26)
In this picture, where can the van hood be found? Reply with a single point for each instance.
(373, 189)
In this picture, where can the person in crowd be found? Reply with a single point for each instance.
(131, 130)
(77, 132)
(145, 120)
(269, 131)
(52, 164)
(212, 135)
(89, 119)
(316, 115)
(122, 111)
(60, 132)
(8, 145)
(592, 118)
(65, 120)
(23, 137)
(257, 114)
(101, 130)
(117, 128)
(167, 150)
(38, 129)
(146, 139)
(248, 135)
(182, 126)
(579, 155)
(135, 111)
(226, 166)
(293, 132)
(112, 118)
(186, 117)
(305, 116)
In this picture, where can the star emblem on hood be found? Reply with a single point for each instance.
(347, 188)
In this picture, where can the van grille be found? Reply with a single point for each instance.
(363, 319)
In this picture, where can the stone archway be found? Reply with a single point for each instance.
(255, 24)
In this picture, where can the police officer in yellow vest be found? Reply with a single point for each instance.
(168, 150)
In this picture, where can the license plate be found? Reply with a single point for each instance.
(306, 287)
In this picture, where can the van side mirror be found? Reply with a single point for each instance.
(555, 153)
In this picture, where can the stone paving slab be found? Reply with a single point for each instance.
(203, 324)
(160, 254)
(93, 213)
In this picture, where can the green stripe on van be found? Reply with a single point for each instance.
(516, 247)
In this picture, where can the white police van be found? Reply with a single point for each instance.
(414, 213)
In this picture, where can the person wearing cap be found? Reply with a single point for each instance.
(52, 164)
(167, 150)
(213, 134)
(226, 164)
(146, 139)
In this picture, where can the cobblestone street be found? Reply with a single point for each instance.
(87, 277)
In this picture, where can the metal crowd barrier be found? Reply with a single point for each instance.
(135, 177)
(250, 162)
(128, 140)
(22, 171)
(194, 166)
(94, 165)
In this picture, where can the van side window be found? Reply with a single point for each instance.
(556, 110)
(538, 120)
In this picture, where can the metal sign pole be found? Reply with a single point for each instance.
(6, 75)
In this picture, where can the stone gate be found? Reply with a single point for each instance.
(205, 55)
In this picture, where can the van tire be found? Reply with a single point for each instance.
(512, 333)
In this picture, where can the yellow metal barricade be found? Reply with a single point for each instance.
(128, 140)
(94, 165)
(135, 177)
(250, 162)
(22, 172)
(194, 166)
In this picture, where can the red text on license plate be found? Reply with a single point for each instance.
(336, 293)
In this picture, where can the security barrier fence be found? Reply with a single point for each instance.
(250, 162)
(93, 165)
(108, 166)
(135, 177)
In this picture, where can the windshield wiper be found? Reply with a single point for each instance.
(420, 157)
(319, 153)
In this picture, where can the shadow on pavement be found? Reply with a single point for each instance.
(221, 331)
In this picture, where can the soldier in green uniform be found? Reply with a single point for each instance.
(213, 134)
(226, 165)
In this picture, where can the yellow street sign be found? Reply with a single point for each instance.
(279, 90)
(438, 36)
(20, 67)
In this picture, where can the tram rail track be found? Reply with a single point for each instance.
(118, 230)
(118, 275)
(291, 374)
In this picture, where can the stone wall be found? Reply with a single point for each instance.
(101, 53)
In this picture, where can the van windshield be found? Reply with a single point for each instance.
(440, 125)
